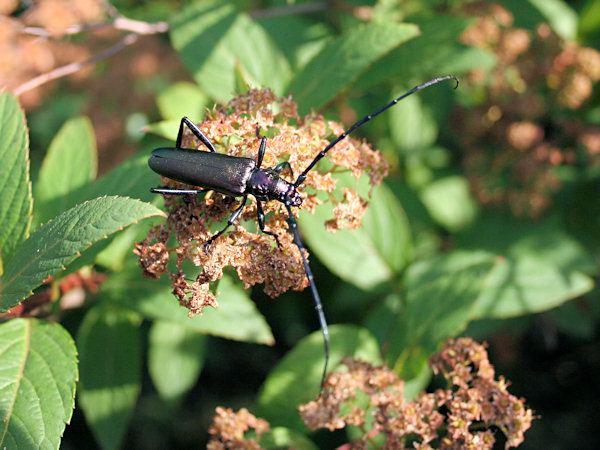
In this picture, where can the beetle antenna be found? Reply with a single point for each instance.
(365, 119)
(313, 288)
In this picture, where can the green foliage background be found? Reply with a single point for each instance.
(429, 262)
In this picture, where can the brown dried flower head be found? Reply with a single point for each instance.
(255, 256)
(463, 415)
(229, 429)
(518, 135)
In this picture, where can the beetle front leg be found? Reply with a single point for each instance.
(197, 132)
(230, 222)
(260, 214)
(261, 152)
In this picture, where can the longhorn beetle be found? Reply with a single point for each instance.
(239, 176)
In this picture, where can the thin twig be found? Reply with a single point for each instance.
(119, 23)
(74, 67)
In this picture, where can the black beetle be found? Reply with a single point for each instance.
(239, 176)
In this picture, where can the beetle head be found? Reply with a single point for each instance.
(292, 197)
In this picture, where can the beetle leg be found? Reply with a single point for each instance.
(279, 168)
(230, 222)
(261, 152)
(260, 214)
(197, 132)
(167, 191)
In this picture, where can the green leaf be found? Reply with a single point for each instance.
(575, 320)
(560, 16)
(165, 128)
(212, 37)
(236, 318)
(341, 62)
(60, 241)
(440, 294)
(449, 202)
(296, 378)
(110, 347)
(546, 239)
(298, 37)
(182, 99)
(37, 383)
(69, 164)
(589, 20)
(542, 266)
(16, 204)
(175, 358)
(412, 125)
(131, 178)
(528, 285)
(435, 52)
(280, 437)
(366, 256)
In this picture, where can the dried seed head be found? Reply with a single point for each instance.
(461, 416)
(509, 160)
(229, 428)
(256, 258)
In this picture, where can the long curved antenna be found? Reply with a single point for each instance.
(313, 288)
(365, 119)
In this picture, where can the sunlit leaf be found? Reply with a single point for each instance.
(37, 383)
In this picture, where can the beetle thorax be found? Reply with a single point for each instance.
(266, 184)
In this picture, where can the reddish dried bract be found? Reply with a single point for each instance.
(461, 416)
(229, 428)
(256, 258)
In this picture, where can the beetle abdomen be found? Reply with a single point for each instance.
(216, 171)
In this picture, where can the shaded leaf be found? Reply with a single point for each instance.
(440, 294)
(366, 256)
(110, 347)
(449, 202)
(175, 358)
(236, 318)
(435, 52)
(412, 125)
(37, 383)
(69, 164)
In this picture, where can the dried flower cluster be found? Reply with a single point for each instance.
(193, 219)
(517, 136)
(229, 429)
(461, 416)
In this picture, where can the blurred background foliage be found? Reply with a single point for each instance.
(507, 164)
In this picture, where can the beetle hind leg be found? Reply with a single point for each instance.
(230, 222)
(260, 214)
(168, 191)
